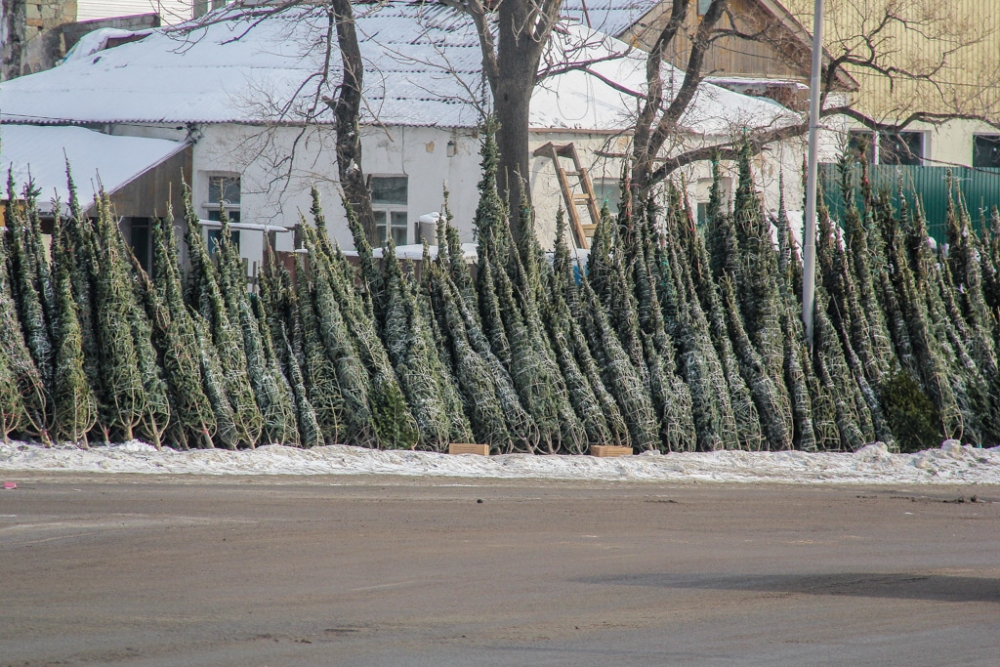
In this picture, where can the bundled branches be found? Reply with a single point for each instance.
(666, 337)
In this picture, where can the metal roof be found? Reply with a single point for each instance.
(40, 154)
(422, 68)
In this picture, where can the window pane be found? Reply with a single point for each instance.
(399, 235)
(224, 188)
(703, 6)
(399, 219)
(702, 213)
(904, 148)
(215, 237)
(986, 151)
(608, 192)
(400, 227)
(234, 216)
(380, 229)
(389, 190)
(859, 142)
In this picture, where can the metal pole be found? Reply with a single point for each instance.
(809, 233)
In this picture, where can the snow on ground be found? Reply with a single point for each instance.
(950, 464)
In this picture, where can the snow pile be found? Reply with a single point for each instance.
(951, 464)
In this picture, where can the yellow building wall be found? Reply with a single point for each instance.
(956, 43)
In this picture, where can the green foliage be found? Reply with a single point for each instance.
(913, 417)
(175, 339)
(208, 299)
(668, 340)
(74, 402)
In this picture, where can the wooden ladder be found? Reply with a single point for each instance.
(573, 201)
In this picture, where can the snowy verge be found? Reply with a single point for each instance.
(951, 464)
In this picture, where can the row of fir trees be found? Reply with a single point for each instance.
(671, 338)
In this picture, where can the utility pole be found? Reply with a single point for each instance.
(809, 233)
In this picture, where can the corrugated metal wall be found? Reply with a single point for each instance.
(980, 187)
(964, 34)
(170, 11)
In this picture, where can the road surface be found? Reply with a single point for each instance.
(377, 571)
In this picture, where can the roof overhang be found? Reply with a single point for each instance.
(40, 154)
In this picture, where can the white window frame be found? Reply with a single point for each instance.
(209, 206)
(389, 209)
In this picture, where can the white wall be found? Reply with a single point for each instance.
(170, 11)
(420, 154)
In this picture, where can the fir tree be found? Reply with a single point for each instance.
(594, 406)
(619, 375)
(698, 363)
(156, 416)
(310, 434)
(413, 356)
(876, 352)
(535, 373)
(473, 374)
(26, 282)
(352, 378)
(123, 400)
(773, 410)
(756, 281)
(75, 406)
(319, 370)
(223, 335)
(748, 427)
(175, 338)
(395, 427)
(21, 369)
(372, 283)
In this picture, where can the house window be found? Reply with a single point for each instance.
(223, 193)
(389, 198)
(861, 145)
(986, 151)
(608, 191)
(902, 148)
(215, 238)
(702, 213)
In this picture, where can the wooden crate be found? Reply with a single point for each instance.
(468, 448)
(610, 450)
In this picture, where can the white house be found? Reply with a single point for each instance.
(240, 96)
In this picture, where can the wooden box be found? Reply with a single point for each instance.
(610, 450)
(467, 448)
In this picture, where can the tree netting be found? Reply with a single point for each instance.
(669, 337)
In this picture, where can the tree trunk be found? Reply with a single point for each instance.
(347, 111)
(12, 37)
(518, 54)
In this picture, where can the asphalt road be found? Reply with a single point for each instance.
(133, 570)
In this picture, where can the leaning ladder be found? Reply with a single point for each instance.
(574, 201)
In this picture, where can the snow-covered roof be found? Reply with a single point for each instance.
(605, 94)
(40, 154)
(422, 68)
(612, 17)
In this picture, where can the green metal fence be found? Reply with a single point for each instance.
(981, 188)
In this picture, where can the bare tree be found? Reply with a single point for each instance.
(912, 45)
(328, 90)
(512, 36)
(347, 111)
(12, 37)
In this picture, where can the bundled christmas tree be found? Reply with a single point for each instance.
(218, 329)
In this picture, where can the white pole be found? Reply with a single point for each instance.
(809, 233)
